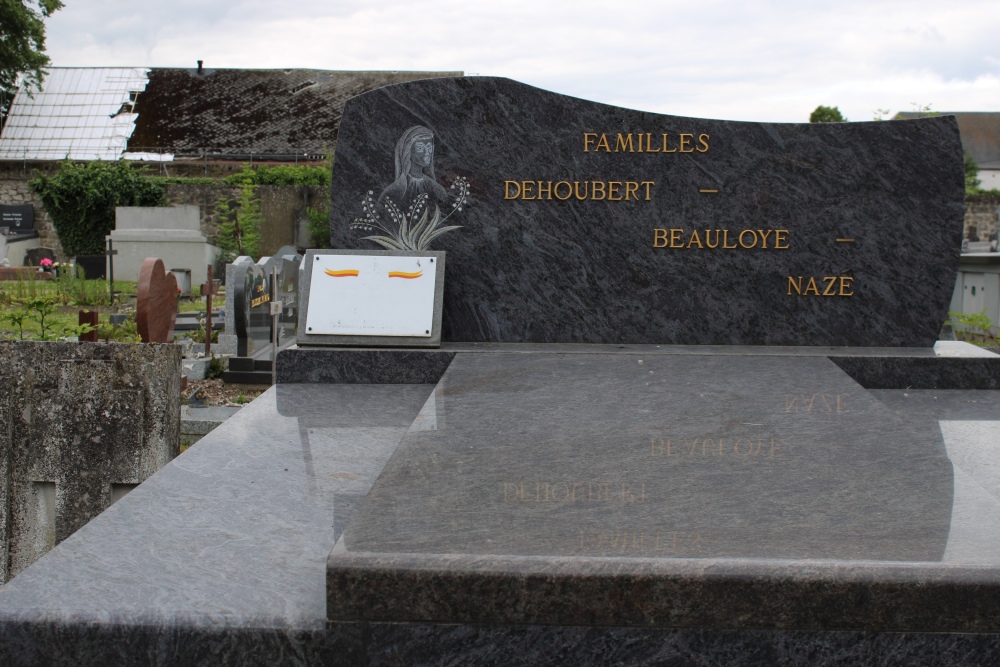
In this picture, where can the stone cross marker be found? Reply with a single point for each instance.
(156, 307)
(208, 289)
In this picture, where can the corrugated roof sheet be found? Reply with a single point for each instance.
(81, 113)
(156, 113)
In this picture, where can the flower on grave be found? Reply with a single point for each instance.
(45, 263)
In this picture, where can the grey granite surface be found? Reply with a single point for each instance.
(587, 270)
(948, 365)
(361, 366)
(663, 490)
(235, 531)
(221, 557)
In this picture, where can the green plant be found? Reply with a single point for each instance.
(22, 46)
(282, 175)
(239, 225)
(127, 332)
(81, 198)
(975, 328)
(215, 368)
(16, 316)
(41, 308)
(242, 398)
(78, 291)
(319, 225)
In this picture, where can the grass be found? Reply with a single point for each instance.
(71, 295)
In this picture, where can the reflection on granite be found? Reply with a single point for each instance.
(661, 456)
(361, 366)
(234, 533)
(856, 522)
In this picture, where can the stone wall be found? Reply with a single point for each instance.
(981, 213)
(282, 207)
(81, 424)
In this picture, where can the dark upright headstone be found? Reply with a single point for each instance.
(34, 256)
(572, 221)
(252, 305)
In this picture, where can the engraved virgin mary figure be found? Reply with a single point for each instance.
(410, 213)
(414, 169)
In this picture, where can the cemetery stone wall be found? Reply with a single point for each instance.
(981, 217)
(81, 424)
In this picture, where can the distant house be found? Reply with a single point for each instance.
(166, 114)
(980, 132)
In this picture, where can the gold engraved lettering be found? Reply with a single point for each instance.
(569, 190)
(703, 143)
(753, 237)
(517, 189)
(833, 286)
(613, 189)
(593, 190)
(686, 143)
(624, 142)
(631, 190)
(666, 142)
(725, 240)
(764, 233)
(660, 238)
(675, 238)
(694, 239)
(822, 403)
(648, 185)
(588, 139)
(603, 142)
(547, 193)
(708, 238)
(525, 185)
(576, 189)
(649, 143)
(781, 236)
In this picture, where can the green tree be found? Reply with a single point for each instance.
(822, 114)
(22, 45)
(81, 198)
(239, 225)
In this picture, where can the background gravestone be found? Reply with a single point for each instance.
(571, 221)
(252, 318)
(156, 302)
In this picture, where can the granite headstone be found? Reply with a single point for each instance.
(571, 221)
(156, 302)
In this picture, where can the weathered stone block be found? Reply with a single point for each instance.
(80, 424)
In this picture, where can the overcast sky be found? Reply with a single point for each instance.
(771, 61)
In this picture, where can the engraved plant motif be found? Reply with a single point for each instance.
(417, 227)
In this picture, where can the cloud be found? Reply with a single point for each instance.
(754, 61)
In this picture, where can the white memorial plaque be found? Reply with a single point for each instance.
(371, 295)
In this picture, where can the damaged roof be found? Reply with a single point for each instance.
(980, 132)
(240, 111)
(91, 113)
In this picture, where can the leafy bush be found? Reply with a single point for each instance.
(285, 174)
(239, 226)
(975, 328)
(81, 198)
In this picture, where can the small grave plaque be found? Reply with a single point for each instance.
(18, 218)
(373, 298)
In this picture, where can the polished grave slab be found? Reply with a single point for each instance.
(222, 556)
(667, 490)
